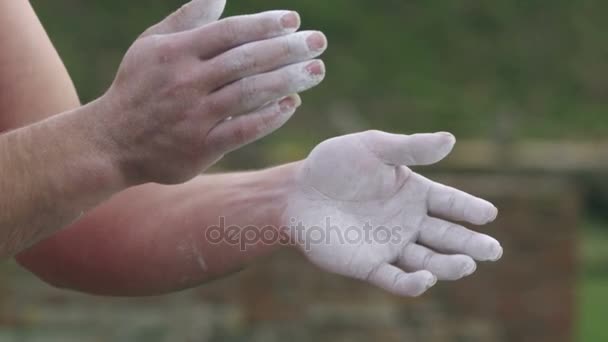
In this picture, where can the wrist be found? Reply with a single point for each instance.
(284, 184)
(263, 196)
(91, 161)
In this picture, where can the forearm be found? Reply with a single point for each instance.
(34, 83)
(51, 172)
(153, 239)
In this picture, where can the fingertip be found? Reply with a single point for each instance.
(447, 142)
(218, 9)
(316, 42)
(432, 282)
(459, 266)
(428, 280)
(498, 253)
(470, 266)
(298, 100)
(482, 247)
(316, 68)
(291, 21)
(290, 103)
(493, 214)
(434, 147)
(428, 277)
(480, 212)
(493, 252)
(449, 137)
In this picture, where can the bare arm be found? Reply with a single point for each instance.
(52, 172)
(29, 157)
(33, 83)
(153, 239)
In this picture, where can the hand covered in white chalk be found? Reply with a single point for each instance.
(359, 211)
(192, 89)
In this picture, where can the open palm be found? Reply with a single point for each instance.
(359, 211)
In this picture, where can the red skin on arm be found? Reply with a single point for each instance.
(151, 240)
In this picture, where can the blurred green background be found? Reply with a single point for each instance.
(517, 70)
(419, 65)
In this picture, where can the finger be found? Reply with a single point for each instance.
(229, 33)
(409, 150)
(194, 14)
(265, 56)
(453, 204)
(234, 133)
(253, 92)
(395, 281)
(445, 267)
(448, 237)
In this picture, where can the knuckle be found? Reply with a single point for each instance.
(249, 89)
(214, 107)
(266, 121)
(397, 280)
(181, 84)
(181, 80)
(371, 274)
(214, 72)
(266, 24)
(248, 58)
(278, 83)
(426, 260)
(468, 243)
(165, 49)
(240, 61)
(445, 230)
(451, 202)
(286, 47)
(239, 134)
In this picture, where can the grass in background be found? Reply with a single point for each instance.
(593, 325)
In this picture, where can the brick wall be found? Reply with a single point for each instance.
(528, 296)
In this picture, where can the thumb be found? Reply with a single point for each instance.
(194, 14)
(410, 150)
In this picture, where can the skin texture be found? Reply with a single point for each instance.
(175, 108)
(29, 68)
(370, 185)
(150, 239)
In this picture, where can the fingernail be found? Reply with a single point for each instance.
(298, 100)
(290, 102)
(316, 41)
(316, 68)
(290, 21)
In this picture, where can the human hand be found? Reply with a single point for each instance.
(359, 211)
(192, 89)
